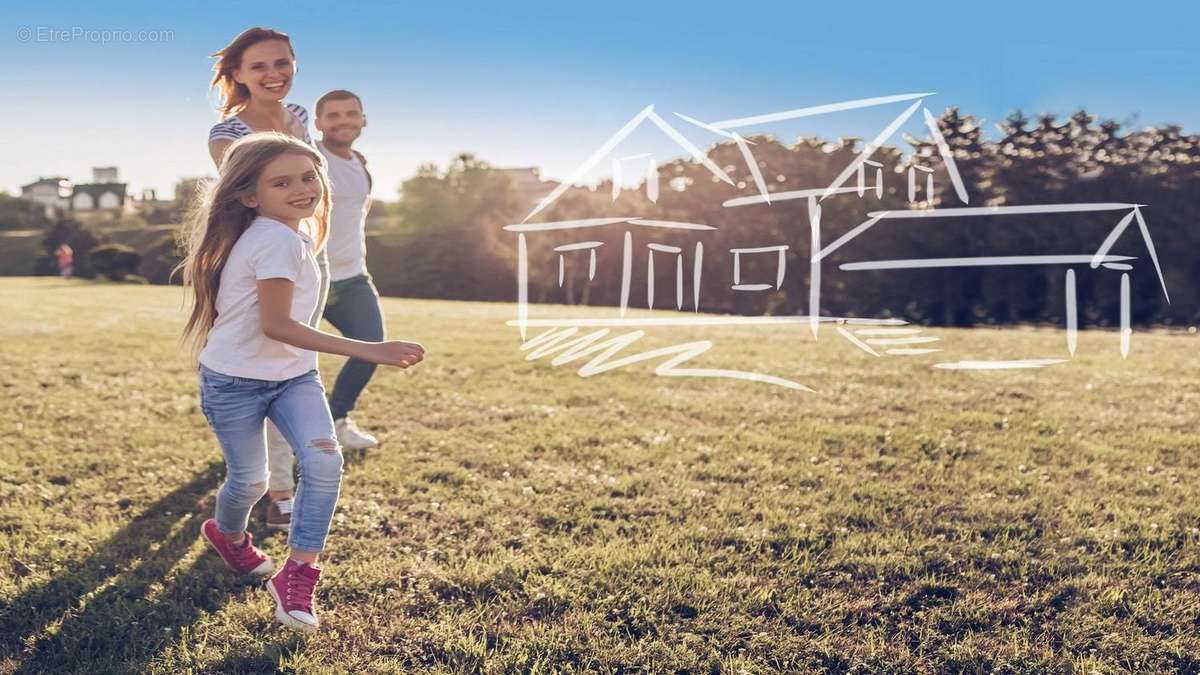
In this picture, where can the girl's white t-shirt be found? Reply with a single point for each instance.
(232, 128)
(236, 345)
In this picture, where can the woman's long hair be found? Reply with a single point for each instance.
(219, 219)
(235, 96)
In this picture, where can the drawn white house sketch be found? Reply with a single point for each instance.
(560, 329)
(897, 341)
(894, 335)
(858, 168)
(1100, 258)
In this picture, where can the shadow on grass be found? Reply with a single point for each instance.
(274, 648)
(112, 612)
(352, 456)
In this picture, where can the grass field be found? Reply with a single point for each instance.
(520, 518)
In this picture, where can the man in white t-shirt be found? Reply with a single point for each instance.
(353, 304)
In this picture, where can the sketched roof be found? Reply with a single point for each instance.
(647, 113)
(723, 127)
(1095, 259)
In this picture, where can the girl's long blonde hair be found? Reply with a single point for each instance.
(219, 219)
(235, 96)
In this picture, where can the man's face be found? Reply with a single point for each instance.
(341, 120)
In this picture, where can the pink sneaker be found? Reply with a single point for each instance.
(293, 587)
(244, 559)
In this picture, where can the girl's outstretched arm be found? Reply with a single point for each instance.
(274, 302)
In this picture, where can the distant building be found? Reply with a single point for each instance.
(104, 193)
(149, 200)
(104, 174)
(105, 196)
(52, 194)
(153, 210)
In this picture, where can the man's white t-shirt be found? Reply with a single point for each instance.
(351, 195)
(236, 345)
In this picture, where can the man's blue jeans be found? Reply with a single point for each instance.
(353, 309)
(279, 453)
(236, 409)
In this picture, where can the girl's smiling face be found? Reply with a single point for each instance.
(267, 69)
(287, 190)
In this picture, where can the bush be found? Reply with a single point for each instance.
(115, 261)
(20, 214)
(162, 257)
(76, 235)
(131, 221)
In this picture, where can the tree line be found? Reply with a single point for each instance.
(452, 243)
(457, 247)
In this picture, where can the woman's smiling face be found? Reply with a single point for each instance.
(267, 69)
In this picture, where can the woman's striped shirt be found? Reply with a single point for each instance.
(234, 128)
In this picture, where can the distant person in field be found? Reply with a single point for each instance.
(252, 75)
(65, 258)
(353, 304)
(250, 262)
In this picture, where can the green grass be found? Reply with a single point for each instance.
(521, 518)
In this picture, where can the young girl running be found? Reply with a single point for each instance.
(250, 262)
(252, 76)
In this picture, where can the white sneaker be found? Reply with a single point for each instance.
(351, 437)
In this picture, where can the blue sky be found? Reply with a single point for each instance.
(544, 84)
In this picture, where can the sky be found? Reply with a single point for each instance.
(545, 84)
